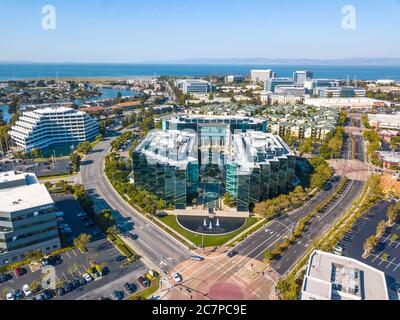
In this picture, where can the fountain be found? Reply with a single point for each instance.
(205, 223)
(217, 223)
(211, 226)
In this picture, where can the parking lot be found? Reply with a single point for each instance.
(386, 256)
(41, 169)
(75, 263)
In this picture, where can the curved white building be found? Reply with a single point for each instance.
(43, 128)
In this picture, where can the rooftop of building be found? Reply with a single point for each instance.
(27, 194)
(215, 118)
(253, 148)
(176, 148)
(333, 277)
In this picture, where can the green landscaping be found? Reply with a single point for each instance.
(209, 241)
(147, 293)
(123, 248)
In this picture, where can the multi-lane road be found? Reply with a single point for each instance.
(156, 245)
(267, 238)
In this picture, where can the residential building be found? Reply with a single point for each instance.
(333, 277)
(43, 128)
(27, 218)
(258, 76)
(292, 91)
(300, 77)
(202, 157)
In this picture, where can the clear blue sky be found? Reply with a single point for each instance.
(142, 30)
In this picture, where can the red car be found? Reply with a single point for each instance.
(19, 272)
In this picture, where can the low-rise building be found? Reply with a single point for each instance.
(384, 121)
(27, 218)
(333, 277)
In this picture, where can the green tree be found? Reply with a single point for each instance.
(369, 246)
(82, 241)
(393, 215)
(85, 147)
(75, 162)
(36, 153)
(380, 230)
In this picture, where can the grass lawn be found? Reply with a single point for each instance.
(56, 177)
(209, 241)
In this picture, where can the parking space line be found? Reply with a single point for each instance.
(391, 263)
(396, 267)
(376, 257)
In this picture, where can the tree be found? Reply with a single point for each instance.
(393, 215)
(82, 241)
(380, 230)
(36, 153)
(268, 256)
(306, 146)
(75, 162)
(99, 137)
(85, 147)
(369, 246)
(35, 256)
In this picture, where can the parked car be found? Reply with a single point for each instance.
(75, 283)
(120, 258)
(144, 282)
(39, 297)
(130, 288)
(177, 277)
(88, 277)
(89, 224)
(117, 295)
(10, 296)
(5, 278)
(47, 294)
(82, 281)
(82, 214)
(68, 287)
(19, 272)
(27, 291)
(18, 295)
(60, 292)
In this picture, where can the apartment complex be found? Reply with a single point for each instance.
(27, 218)
(202, 157)
(42, 128)
(332, 277)
(302, 121)
(193, 86)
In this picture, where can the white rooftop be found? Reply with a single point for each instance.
(31, 194)
(175, 148)
(333, 277)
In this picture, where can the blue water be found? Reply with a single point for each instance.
(107, 94)
(15, 71)
(6, 115)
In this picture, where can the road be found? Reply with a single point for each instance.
(155, 244)
(273, 233)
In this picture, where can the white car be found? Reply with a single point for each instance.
(177, 277)
(87, 277)
(27, 291)
(10, 296)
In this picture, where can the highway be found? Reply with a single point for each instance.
(156, 245)
(273, 233)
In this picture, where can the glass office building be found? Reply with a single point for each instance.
(199, 158)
